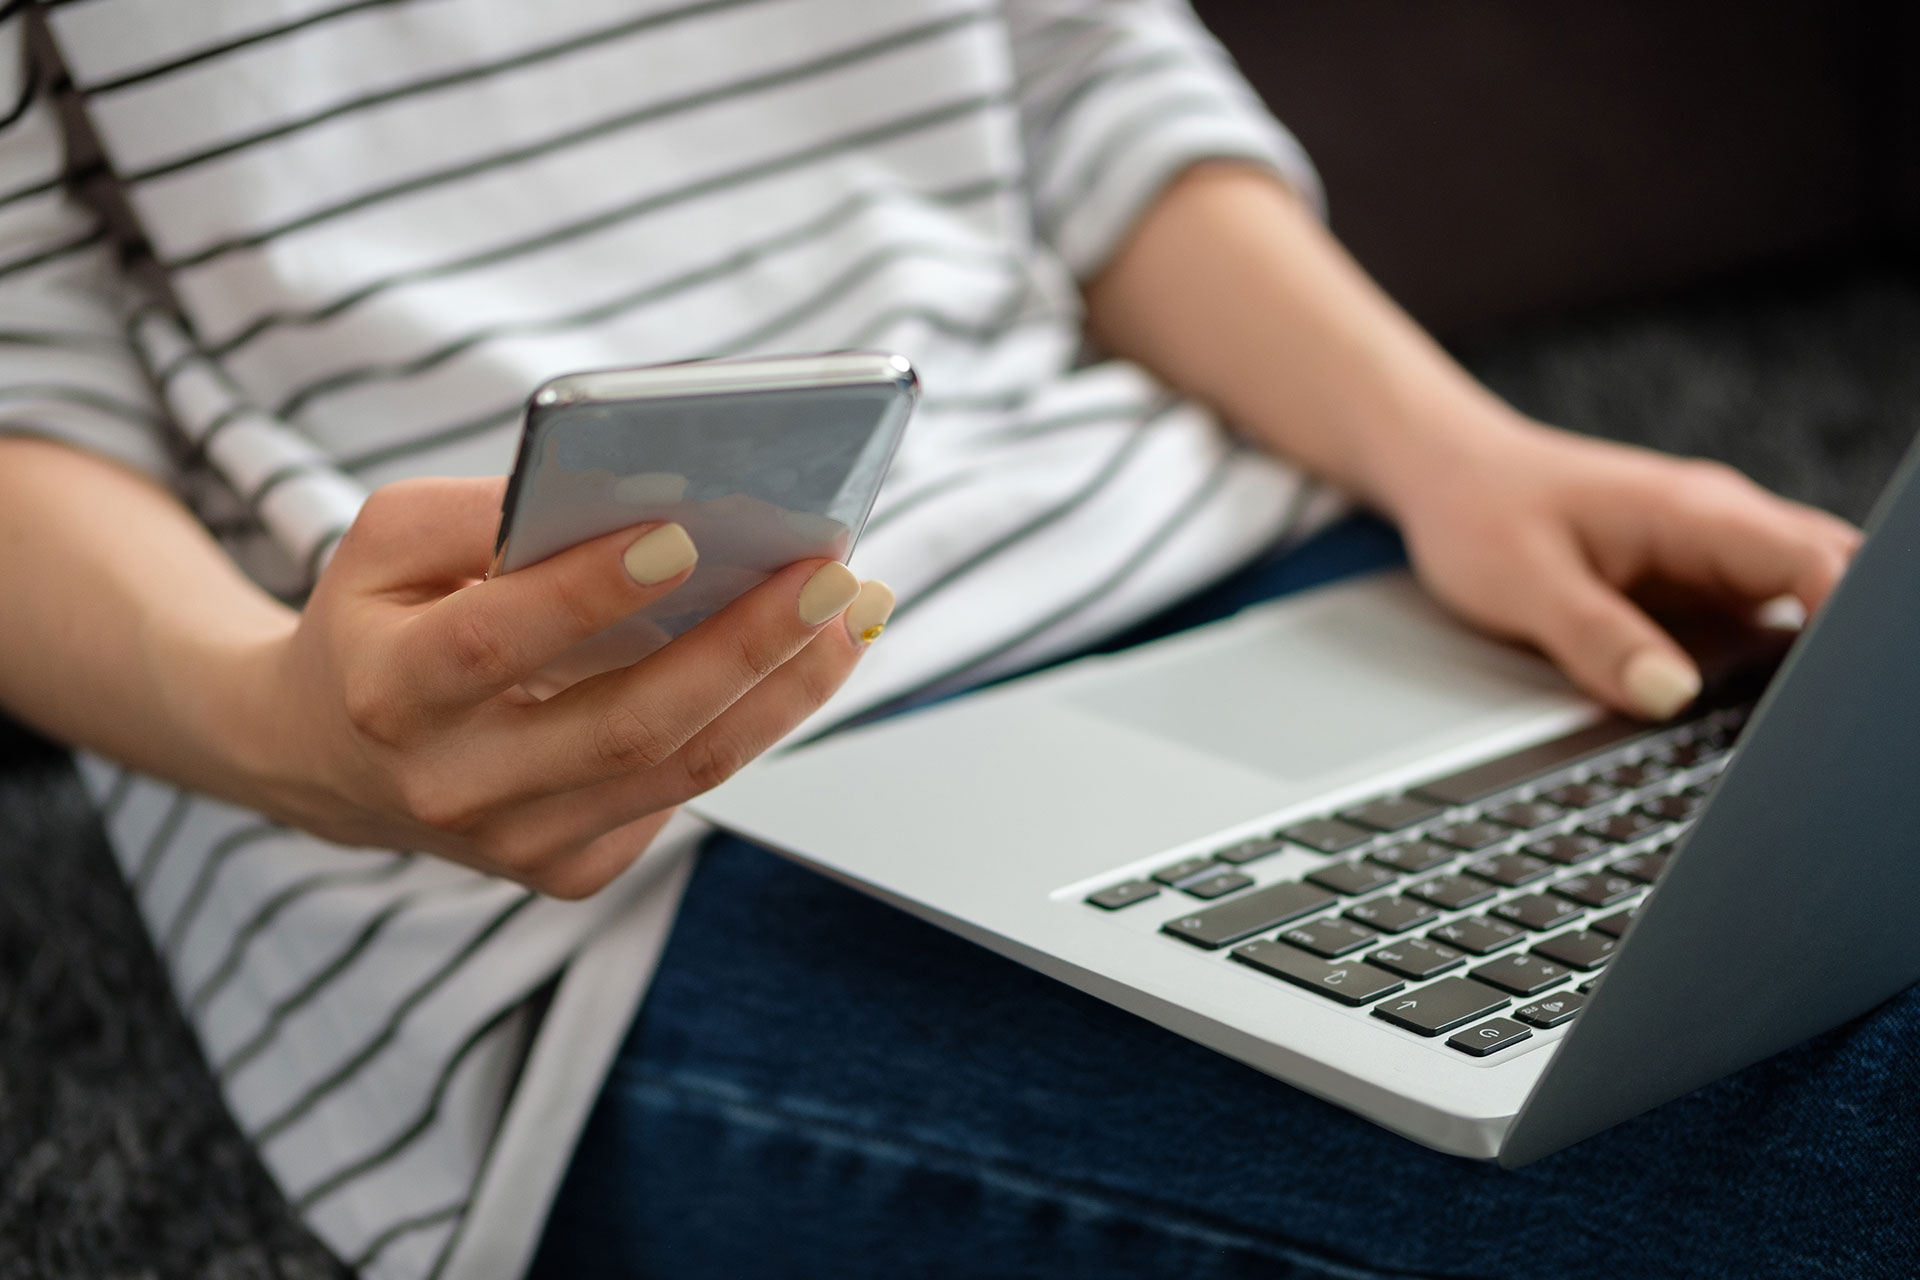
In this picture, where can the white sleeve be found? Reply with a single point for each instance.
(1116, 97)
(68, 370)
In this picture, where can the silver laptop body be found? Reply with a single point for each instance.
(1784, 906)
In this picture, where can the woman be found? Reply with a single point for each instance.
(259, 265)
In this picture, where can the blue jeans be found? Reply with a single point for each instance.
(822, 1086)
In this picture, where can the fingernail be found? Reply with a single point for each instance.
(831, 589)
(1659, 684)
(867, 615)
(659, 554)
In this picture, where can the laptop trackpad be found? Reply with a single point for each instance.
(1326, 684)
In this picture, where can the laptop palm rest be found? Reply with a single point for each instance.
(1790, 907)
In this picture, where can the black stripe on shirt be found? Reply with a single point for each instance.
(405, 1227)
(445, 80)
(209, 52)
(892, 510)
(1109, 470)
(1203, 493)
(272, 909)
(1122, 138)
(319, 1091)
(163, 834)
(77, 175)
(29, 86)
(116, 794)
(304, 1201)
(498, 419)
(735, 261)
(85, 397)
(838, 60)
(315, 983)
(64, 339)
(216, 858)
(96, 235)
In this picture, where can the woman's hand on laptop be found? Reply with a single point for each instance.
(1540, 535)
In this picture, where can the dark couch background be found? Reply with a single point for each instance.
(1497, 160)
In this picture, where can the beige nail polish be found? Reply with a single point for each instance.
(867, 615)
(831, 589)
(659, 554)
(1658, 684)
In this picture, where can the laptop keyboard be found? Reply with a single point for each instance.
(1483, 904)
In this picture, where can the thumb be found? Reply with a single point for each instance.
(1610, 647)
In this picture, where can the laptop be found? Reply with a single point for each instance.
(1346, 841)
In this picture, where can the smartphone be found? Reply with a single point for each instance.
(764, 461)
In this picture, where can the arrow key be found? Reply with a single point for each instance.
(1448, 1003)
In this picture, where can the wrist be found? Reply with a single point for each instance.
(225, 696)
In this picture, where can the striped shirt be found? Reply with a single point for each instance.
(279, 252)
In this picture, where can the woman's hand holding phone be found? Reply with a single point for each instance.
(402, 721)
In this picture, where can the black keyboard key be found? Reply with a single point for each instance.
(1416, 958)
(1637, 774)
(1245, 916)
(1489, 1037)
(1511, 869)
(1685, 755)
(1329, 937)
(1598, 890)
(1352, 983)
(1677, 807)
(1551, 1011)
(1469, 835)
(1483, 780)
(1352, 878)
(1448, 1003)
(1644, 867)
(1328, 835)
(1616, 925)
(1527, 814)
(1537, 911)
(1583, 795)
(1392, 915)
(1523, 975)
(1622, 827)
(1586, 988)
(1478, 935)
(1585, 950)
(1123, 895)
(1250, 851)
(1567, 849)
(1414, 856)
(1391, 813)
(1451, 893)
(1185, 869)
(1218, 886)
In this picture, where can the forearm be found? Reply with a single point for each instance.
(127, 629)
(1232, 291)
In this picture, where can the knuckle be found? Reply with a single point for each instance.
(627, 741)
(433, 802)
(711, 758)
(569, 879)
(577, 602)
(371, 709)
(747, 654)
(478, 652)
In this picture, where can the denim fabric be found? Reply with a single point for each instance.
(820, 1085)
